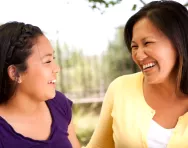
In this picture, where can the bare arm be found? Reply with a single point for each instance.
(72, 136)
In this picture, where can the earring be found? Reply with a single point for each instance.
(19, 81)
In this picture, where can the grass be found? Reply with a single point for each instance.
(85, 120)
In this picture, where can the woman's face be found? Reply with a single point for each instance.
(39, 80)
(153, 52)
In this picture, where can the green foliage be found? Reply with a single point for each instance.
(105, 3)
(117, 60)
(108, 3)
(134, 7)
(84, 76)
(85, 118)
(80, 74)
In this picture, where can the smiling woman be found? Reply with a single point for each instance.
(32, 112)
(149, 109)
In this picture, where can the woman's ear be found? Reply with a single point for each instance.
(13, 74)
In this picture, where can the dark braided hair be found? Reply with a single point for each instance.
(16, 41)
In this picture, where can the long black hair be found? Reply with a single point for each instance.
(16, 41)
(172, 19)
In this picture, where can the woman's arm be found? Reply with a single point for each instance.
(103, 134)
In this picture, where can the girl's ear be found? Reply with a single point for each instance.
(13, 74)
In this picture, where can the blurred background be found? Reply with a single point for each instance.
(87, 36)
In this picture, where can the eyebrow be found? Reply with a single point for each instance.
(142, 39)
(48, 55)
(133, 42)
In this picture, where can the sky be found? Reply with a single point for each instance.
(78, 25)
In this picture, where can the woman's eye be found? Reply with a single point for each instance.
(134, 47)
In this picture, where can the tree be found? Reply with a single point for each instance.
(117, 60)
(108, 3)
(105, 3)
(144, 3)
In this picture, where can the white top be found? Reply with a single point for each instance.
(158, 136)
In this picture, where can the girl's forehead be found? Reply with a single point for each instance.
(43, 46)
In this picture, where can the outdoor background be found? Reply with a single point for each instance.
(87, 36)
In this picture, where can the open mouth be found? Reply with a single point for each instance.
(148, 66)
(52, 82)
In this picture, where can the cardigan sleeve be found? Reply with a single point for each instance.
(103, 134)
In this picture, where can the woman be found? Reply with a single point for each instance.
(29, 117)
(148, 109)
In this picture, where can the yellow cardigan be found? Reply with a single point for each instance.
(125, 118)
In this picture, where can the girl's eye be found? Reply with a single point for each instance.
(48, 62)
(146, 43)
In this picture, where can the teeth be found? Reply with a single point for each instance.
(52, 82)
(148, 65)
